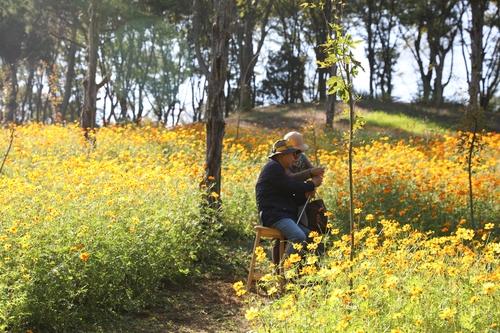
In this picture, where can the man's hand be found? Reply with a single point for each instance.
(317, 180)
(317, 171)
(310, 194)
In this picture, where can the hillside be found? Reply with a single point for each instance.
(382, 118)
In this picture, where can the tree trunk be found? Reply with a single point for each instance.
(330, 102)
(320, 21)
(246, 55)
(477, 54)
(87, 120)
(385, 26)
(216, 100)
(11, 95)
(123, 106)
(331, 99)
(29, 90)
(437, 92)
(370, 45)
(39, 86)
(425, 73)
(141, 105)
(46, 104)
(70, 73)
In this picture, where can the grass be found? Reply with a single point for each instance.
(402, 122)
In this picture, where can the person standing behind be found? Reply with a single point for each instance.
(279, 195)
(302, 168)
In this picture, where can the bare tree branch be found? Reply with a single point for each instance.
(8, 149)
(196, 31)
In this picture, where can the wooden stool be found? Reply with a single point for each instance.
(264, 233)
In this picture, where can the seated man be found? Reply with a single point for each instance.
(279, 195)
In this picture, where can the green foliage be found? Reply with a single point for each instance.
(339, 53)
(284, 76)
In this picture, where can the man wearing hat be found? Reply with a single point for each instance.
(279, 195)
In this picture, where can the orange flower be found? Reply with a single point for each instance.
(85, 256)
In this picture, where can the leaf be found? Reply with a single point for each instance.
(335, 84)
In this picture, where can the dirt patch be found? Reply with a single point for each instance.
(293, 116)
(206, 306)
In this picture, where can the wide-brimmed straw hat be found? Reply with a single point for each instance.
(297, 140)
(282, 147)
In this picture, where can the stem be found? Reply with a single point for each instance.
(316, 157)
(469, 170)
(8, 149)
(351, 191)
(238, 125)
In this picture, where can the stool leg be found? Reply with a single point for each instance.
(276, 252)
(282, 254)
(252, 262)
(277, 255)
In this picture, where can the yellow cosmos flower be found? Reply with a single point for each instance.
(448, 314)
(313, 234)
(272, 290)
(290, 274)
(489, 288)
(260, 254)
(239, 288)
(391, 282)
(369, 217)
(489, 226)
(312, 246)
(311, 260)
(252, 314)
(465, 234)
(474, 299)
(294, 257)
(416, 291)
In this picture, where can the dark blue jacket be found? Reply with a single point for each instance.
(278, 195)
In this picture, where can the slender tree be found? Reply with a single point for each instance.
(12, 35)
(249, 13)
(88, 116)
(490, 49)
(339, 51)
(70, 71)
(217, 74)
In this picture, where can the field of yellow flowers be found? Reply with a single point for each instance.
(89, 232)
(403, 280)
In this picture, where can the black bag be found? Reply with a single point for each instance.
(316, 219)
